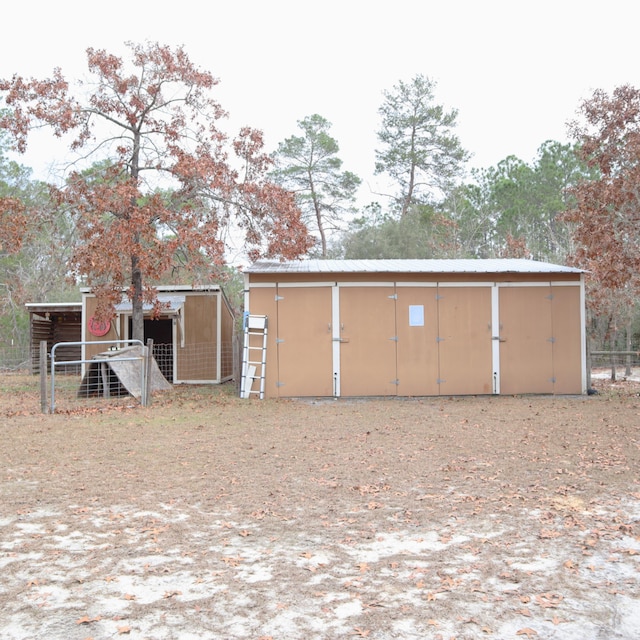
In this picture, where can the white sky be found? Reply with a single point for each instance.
(516, 70)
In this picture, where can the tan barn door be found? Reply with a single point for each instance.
(367, 340)
(262, 302)
(304, 341)
(526, 349)
(464, 340)
(567, 339)
(417, 327)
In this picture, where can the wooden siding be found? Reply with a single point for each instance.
(54, 327)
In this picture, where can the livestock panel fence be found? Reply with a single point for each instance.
(124, 370)
(615, 365)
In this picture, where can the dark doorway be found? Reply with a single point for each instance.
(161, 332)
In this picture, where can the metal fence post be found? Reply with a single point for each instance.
(44, 406)
(148, 357)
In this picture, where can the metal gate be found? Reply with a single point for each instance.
(103, 362)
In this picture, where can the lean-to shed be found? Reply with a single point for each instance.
(54, 322)
(419, 327)
(193, 336)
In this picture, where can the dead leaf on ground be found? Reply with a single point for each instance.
(549, 600)
(530, 633)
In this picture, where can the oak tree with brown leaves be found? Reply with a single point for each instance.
(166, 186)
(606, 215)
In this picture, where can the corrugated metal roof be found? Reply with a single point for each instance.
(503, 265)
(59, 307)
(170, 304)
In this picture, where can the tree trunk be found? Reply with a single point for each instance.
(137, 312)
(318, 212)
(629, 331)
(612, 346)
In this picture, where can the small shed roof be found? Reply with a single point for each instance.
(54, 307)
(499, 265)
(170, 304)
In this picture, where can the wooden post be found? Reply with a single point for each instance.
(44, 407)
(106, 380)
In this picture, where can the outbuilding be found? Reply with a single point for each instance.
(54, 322)
(193, 335)
(419, 327)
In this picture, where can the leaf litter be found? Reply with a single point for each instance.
(427, 518)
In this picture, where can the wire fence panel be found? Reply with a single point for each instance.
(71, 395)
(14, 358)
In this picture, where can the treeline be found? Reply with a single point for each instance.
(165, 195)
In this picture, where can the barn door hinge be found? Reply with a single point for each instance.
(552, 340)
(396, 382)
(279, 384)
(439, 339)
(440, 381)
(279, 340)
(552, 379)
(394, 338)
(278, 298)
(549, 297)
(439, 297)
(393, 297)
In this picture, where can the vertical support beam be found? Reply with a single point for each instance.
(586, 370)
(335, 336)
(219, 337)
(495, 336)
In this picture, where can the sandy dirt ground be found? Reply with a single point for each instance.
(206, 516)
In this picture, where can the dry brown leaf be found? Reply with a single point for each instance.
(359, 631)
(549, 600)
(124, 630)
(527, 631)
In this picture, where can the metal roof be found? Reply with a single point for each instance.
(53, 307)
(170, 304)
(498, 265)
